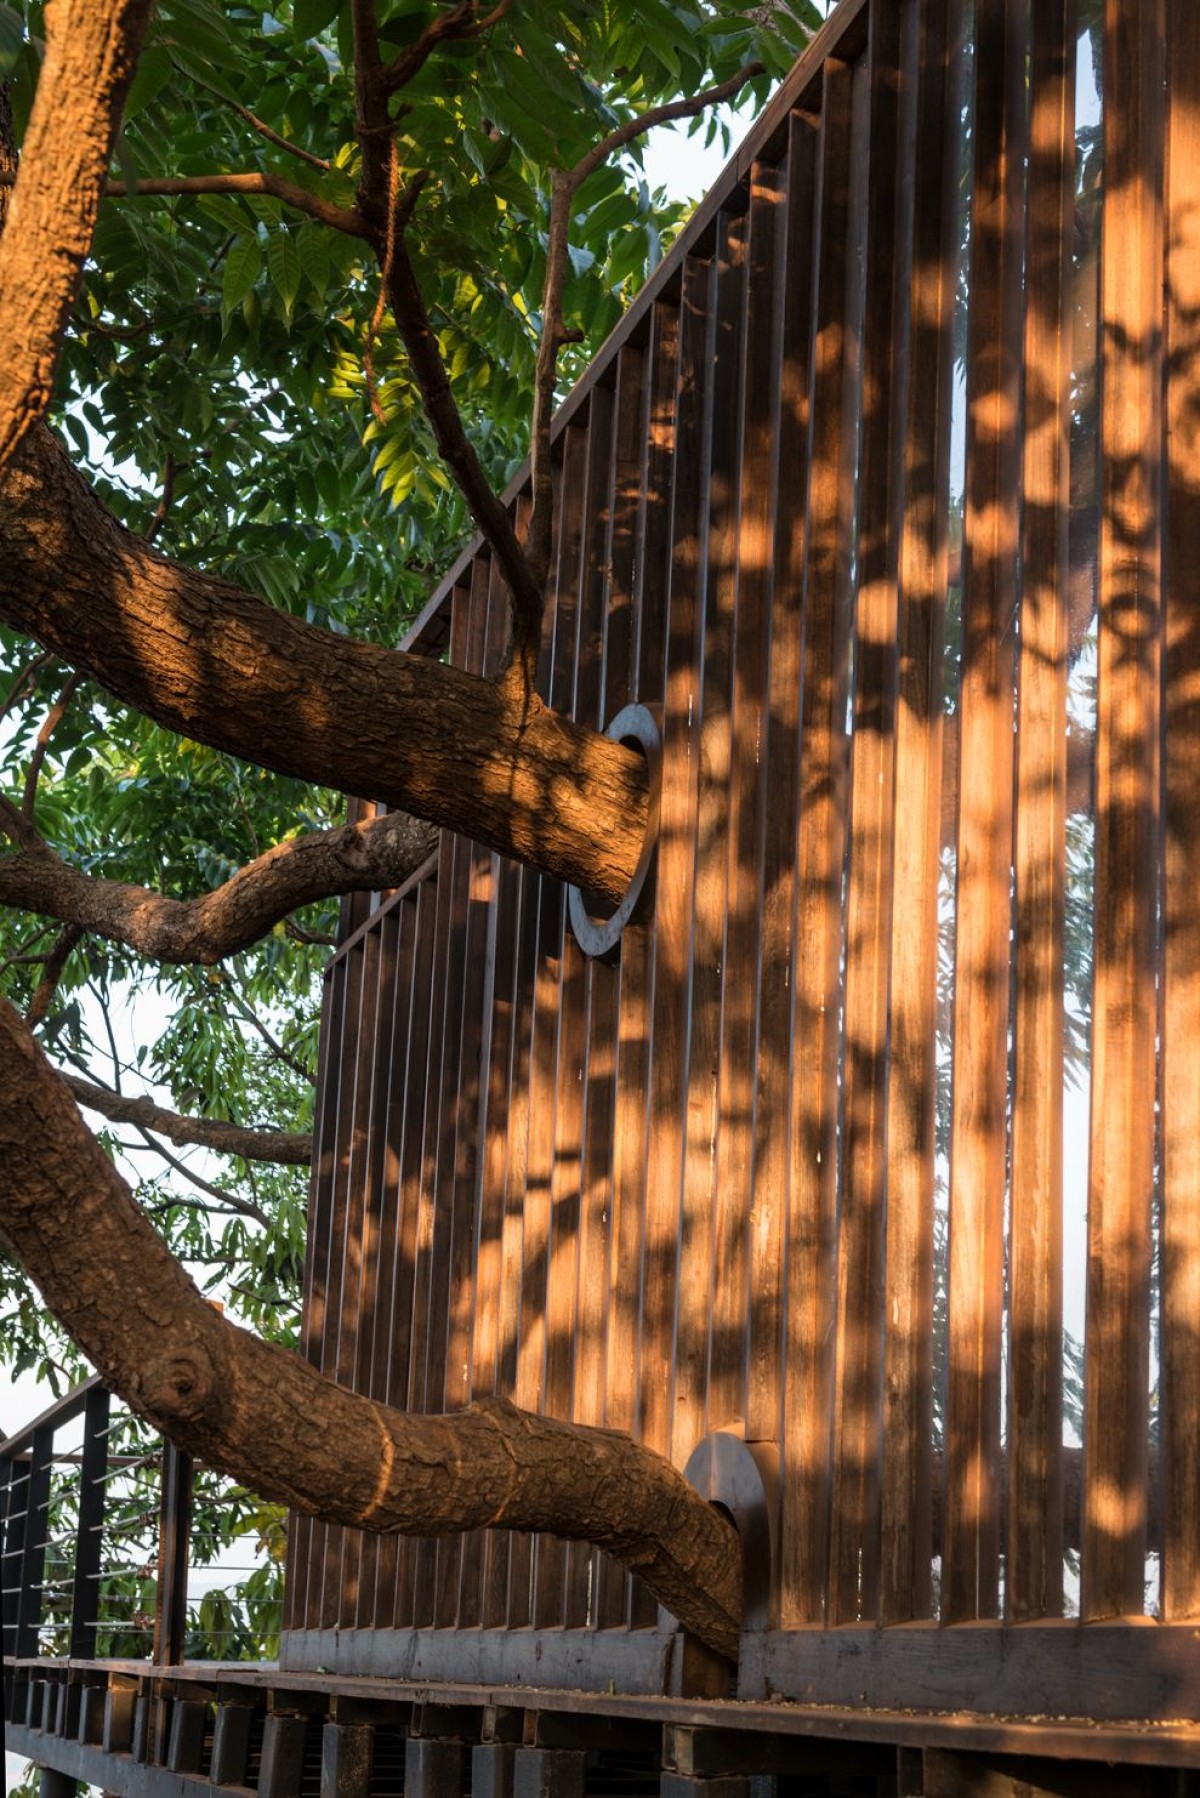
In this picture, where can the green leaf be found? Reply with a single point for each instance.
(242, 267)
(283, 261)
(309, 17)
(12, 35)
(154, 73)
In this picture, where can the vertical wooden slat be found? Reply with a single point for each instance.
(675, 874)
(418, 1557)
(1033, 1586)
(1181, 1020)
(359, 1560)
(792, 335)
(455, 1292)
(438, 1560)
(300, 1556)
(737, 1207)
(906, 1511)
(857, 1440)
(699, 1274)
(824, 748)
(402, 1282)
(495, 882)
(642, 512)
(562, 1573)
(979, 1123)
(543, 1059)
(340, 1247)
(604, 651)
(379, 1560)
(1124, 1028)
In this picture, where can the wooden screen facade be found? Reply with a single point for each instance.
(792, 1164)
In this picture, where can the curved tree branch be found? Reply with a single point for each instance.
(366, 857)
(203, 657)
(270, 1420)
(255, 181)
(290, 1147)
(460, 21)
(91, 52)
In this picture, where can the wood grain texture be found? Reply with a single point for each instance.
(1181, 1007)
(1128, 819)
(854, 1548)
(791, 357)
(1035, 1529)
(978, 1145)
(930, 135)
(817, 947)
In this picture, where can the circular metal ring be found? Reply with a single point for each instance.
(636, 726)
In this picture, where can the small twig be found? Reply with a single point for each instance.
(53, 719)
(460, 22)
(163, 509)
(24, 681)
(565, 184)
(53, 969)
(257, 124)
(252, 1017)
(242, 1206)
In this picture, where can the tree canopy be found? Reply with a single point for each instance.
(286, 296)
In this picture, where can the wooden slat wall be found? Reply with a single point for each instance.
(694, 1187)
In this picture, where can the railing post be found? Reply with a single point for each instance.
(31, 1577)
(174, 1536)
(85, 1594)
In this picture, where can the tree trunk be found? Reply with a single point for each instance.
(270, 1420)
(204, 658)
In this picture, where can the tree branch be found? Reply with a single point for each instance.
(268, 1419)
(370, 856)
(91, 52)
(273, 1044)
(52, 972)
(461, 21)
(203, 657)
(50, 724)
(278, 187)
(287, 1146)
(255, 123)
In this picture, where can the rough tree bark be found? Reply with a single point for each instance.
(202, 657)
(268, 1418)
(369, 856)
(91, 53)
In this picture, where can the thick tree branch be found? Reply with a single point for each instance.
(253, 181)
(270, 1420)
(203, 657)
(278, 187)
(370, 856)
(91, 52)
(290, 1147)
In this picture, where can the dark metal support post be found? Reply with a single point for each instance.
(174, 1536)
(32, 1565)
(85, 1596)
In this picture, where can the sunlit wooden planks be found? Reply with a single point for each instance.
(1181, 1006)
(1128, 822)
(979, 1140)
(930, 124)
(854, 1547)
(791, 353)
(645, 515)
(1034, 1583)
(817, 946)
(700, 1202)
